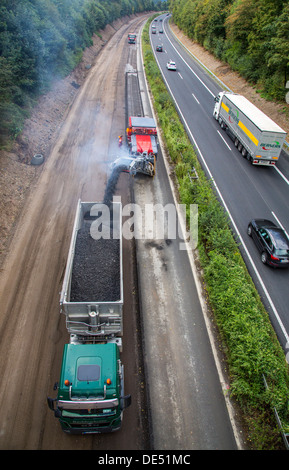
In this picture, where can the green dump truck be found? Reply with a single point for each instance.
(90, 392)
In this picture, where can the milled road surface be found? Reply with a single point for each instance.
(32, 331)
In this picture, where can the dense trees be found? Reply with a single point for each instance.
(251, 35)
(41, 39)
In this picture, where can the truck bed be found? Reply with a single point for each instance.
(92, 290)
(95, 271)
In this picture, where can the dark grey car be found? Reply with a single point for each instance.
(272, 242)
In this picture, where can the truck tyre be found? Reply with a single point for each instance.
(220, 120)
(240, 147)
(264, 257)
(244, 152)
(37, 159)
(236, 142)
(249, 230)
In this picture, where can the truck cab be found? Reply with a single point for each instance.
(217, 100)
(131, 38)
(90, 391)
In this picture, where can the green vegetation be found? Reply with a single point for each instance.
(252, 36)
(249, 341)
(42, 40)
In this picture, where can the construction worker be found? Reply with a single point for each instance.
(120, 140)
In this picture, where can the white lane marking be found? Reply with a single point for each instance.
(275, 216)
(281, 174)
(224, 140)
(195, 98)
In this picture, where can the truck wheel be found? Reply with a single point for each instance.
(240, 146)
(244, 152)
(236, 142)
(249, 230)
(264, 257)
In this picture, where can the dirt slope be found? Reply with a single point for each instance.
(17, 175)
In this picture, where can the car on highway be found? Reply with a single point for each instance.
(160, 31)
(171, 65)
(159, 48)
(272, 242)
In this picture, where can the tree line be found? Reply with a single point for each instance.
(252, 36)
(44, 39)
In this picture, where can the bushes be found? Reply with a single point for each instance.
(43, 40)
(250, 343)
(251, 35)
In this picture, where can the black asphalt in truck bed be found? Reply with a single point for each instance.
(96, 268)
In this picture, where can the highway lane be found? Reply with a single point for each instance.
(245, 190)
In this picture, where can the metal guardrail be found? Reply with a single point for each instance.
(285, 435)
(192, 174)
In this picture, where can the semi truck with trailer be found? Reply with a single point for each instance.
(90, 392)
(257, 137)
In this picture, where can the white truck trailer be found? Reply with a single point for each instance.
(257, 137)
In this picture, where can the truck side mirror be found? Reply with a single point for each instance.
(50, 402)
(125, 402)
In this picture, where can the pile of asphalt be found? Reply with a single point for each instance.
(96, 268)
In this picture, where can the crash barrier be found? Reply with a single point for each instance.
(285, 435)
